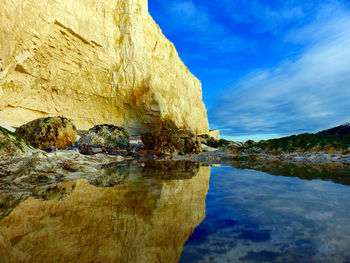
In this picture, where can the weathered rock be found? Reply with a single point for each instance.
(170, 141)
(249, 142)
(215, 134)
(106, 135)
(7, 127)
(58, 132)
(212, 142)
(94, 62)
(207, 148)
(11, 145)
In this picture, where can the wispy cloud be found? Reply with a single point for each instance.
(293, 56)
(305, 93)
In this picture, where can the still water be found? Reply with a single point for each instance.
(183, 212)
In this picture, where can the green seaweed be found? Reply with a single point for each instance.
(19, 142)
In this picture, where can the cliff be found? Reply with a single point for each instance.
(93, 62)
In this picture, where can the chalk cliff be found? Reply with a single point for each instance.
(93, 62)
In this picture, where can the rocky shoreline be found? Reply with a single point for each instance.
(57, 136)
(104, 155)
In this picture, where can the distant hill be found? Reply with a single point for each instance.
(341, 131)
(336, 139)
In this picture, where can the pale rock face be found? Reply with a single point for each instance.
(215, 134)
(93, 62)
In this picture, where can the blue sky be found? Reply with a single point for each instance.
(269, 68)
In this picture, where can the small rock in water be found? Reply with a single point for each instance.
(49, 148)
(96, 150)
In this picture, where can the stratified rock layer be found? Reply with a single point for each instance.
(93, 62)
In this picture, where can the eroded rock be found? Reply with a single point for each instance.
(106, 135)
(172, 141)
(58, 132)
(214, 143)
(11, 145)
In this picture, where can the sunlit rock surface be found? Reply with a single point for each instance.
(146, 215)
(93, 62)
(58, 132)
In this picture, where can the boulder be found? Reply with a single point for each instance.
(172, 141)
(58, 132)
(106, 135)
(11, 145)
(249, 143)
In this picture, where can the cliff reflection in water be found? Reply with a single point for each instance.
(125, 214)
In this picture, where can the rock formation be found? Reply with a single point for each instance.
(145, 219)
(169, 141)
(58, 132)
(11, 145)
(93, 62)
(106, 135)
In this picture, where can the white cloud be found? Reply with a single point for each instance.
(307, 93)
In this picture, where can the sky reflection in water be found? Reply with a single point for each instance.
(256, 217)
(164, 212)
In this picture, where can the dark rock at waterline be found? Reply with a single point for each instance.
(49, 148)
(95, 149)
(172, 141)
(58, 132)
(106, 135)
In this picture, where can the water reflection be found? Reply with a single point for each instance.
(336, 172)
(128, 213)
(256, 217)
(146, 212)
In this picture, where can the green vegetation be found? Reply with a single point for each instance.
(304, 142)
(10, 135)
(2, 145)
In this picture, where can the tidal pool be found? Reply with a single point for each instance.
(181, 212)
(252, 216)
